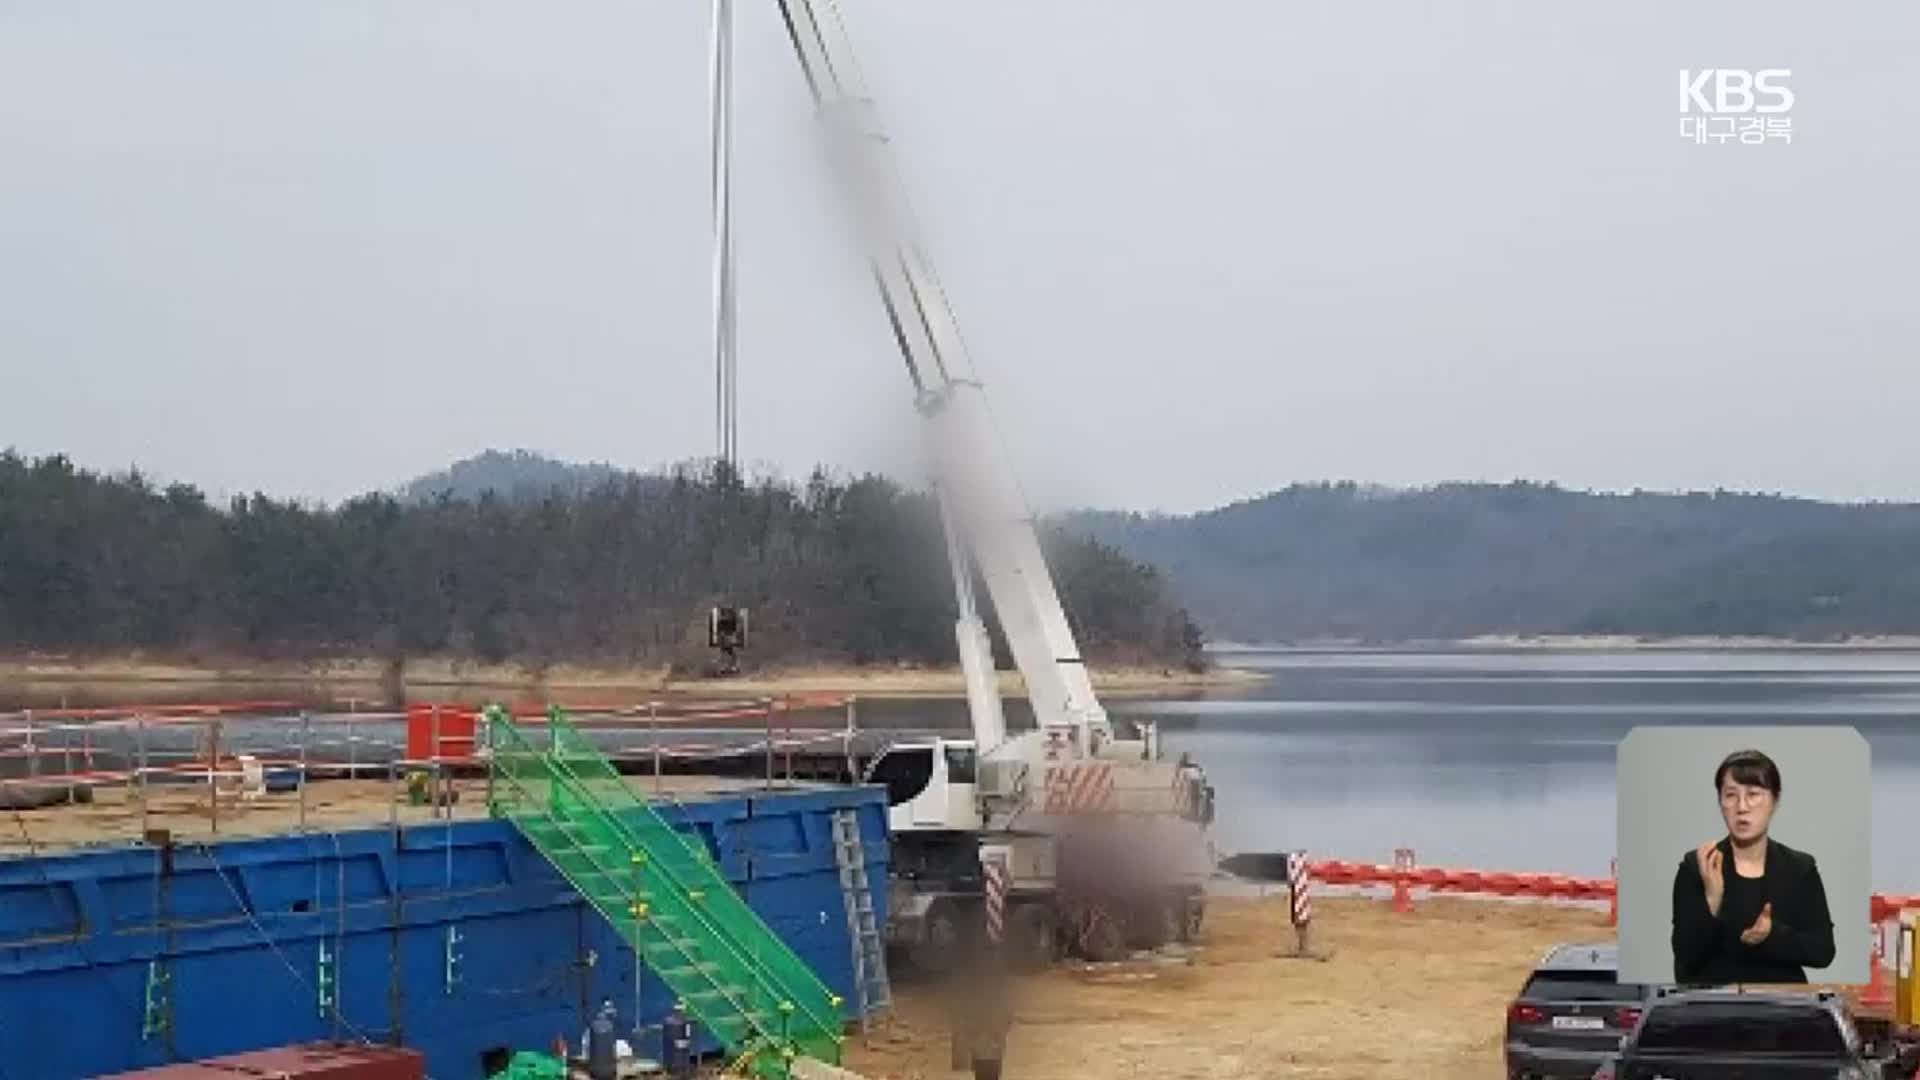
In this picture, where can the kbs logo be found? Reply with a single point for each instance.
(1724, 104)
(1730, 90)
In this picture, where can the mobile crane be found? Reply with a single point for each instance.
(1104, 841)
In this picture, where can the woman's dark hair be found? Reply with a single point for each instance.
(1750, 767)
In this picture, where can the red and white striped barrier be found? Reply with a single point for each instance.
(1298, 888)
(1404, 873)
(997, 878)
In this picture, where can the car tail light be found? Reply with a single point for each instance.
(1625, 1019)
(1525, 1014)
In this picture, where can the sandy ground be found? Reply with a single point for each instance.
(1421, 995)
(46, 678)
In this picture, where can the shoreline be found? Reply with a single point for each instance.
(103, 676)
(1586, 643)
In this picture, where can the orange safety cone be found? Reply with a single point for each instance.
(1878, 995)
(1402, 870)
(1613, 896)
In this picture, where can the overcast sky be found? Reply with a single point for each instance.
(1200, 249)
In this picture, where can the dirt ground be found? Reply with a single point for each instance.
(1419, 996)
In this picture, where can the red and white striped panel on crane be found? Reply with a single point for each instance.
(1080, 789)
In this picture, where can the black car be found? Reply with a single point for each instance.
(1571, 1014)
(1752, 1035)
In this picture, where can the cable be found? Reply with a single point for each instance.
(339, 1014)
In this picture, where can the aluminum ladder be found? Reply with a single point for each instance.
(871, 988)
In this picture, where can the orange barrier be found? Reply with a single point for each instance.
(1878, 994)
(1402, 874)
(1403, 869)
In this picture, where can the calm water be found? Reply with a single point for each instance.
(1506, 759)
(1495, 759)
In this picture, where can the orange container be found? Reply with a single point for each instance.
(455, 730)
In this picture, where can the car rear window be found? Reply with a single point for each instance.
(1742, 1029)
(1581, 986)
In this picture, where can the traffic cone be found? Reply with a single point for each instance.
(1879, 995)
(1402, 869)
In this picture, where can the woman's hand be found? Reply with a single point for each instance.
(1762, 926)
(1709, 857)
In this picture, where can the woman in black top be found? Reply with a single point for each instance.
(1748, 909)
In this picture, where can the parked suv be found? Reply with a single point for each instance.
(1752, 1035)
(1571, 1014)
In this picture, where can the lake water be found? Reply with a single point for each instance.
(1505, 759)
(1497, 759)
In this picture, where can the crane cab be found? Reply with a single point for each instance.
(932, 785)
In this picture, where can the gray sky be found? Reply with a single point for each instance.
(1201, 249)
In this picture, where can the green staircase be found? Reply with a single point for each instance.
(663, 894)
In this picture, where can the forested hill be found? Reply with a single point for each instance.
(621, 571)
(1346, 561)
(517, 474)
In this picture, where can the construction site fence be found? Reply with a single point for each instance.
(243, 749)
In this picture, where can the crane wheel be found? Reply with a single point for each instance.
(1102, 938)
(1033, 938)
(1193, 913)
(939, 948)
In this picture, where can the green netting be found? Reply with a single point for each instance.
(660, 890)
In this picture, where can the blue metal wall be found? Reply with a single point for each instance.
(237, 930)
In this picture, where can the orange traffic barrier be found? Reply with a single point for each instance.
(1878, 995)
(1403, 874)
(1403, 868)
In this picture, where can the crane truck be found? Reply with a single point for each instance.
(1104, 842)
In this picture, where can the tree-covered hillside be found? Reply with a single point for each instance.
(1347, 561)
(620, 571)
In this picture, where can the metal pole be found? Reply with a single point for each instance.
(483, 728)
(766, 704)
(787, 705)
(721, 146)
(213, 782)
(301, 785)
(853, 774)
(433, 763)
(140, 771)
(653, 726)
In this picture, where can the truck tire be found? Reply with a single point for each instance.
(1033, 937)
(940, 945)
(1193, 913)
(1151, 924)
(1103, 938)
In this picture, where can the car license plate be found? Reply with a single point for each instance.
(1579, 1023)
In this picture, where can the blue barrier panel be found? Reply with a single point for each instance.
(454, 938)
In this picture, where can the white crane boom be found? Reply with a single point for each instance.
(989, 525)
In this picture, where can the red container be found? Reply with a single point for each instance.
(455, 727)
(312, 1061)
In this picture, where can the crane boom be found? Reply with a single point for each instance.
(989, 525)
